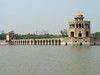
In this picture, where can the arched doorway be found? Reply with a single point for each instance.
(80, 35)
(72, 34)
(40, 42)
(87, 34)
(43, 42)
(81, 44)
(52, 42)
(59, 43)
(55, 42)
(35, 42)
(49, 42)
(46, 42)
(80, 26)
(66, 43)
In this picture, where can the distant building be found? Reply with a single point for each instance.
(79, 28)
(79, 32)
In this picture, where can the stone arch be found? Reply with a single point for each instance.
(72, 34)
(43, 42)
(81, 43)
(49, 42)
(66, 43)
(21, 42)
(76, 25)
(55, 42)
(31, 42)
(80, 35)
(59, 42)
(46, 42)
(52, 42)
(87, 25)
(40, 42)
(35, 42)
(87, 34)
(80, 25)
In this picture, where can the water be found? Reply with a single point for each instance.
(49, 60)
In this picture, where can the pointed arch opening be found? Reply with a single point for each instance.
(72, 34)
(80, 35)
(87, 34)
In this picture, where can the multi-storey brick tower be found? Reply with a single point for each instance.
(79, 30)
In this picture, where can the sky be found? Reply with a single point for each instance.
(51, 16)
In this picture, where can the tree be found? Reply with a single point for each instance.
(2, 36)
(63, 33)
(96, 34)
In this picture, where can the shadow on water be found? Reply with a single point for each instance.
(78, 47)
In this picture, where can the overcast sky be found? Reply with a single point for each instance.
(29, 16)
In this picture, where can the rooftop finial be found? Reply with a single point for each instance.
(79, 15)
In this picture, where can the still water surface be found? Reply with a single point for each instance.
(49, 60)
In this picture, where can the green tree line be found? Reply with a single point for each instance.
(35, 36)
(2, 36)
(40, 36)
(96, 34)
(29, 36)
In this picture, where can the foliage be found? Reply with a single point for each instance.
(40, 36)
(96, 34)
(63, 33)
(2, 36)
(35, 36)
(29, 36)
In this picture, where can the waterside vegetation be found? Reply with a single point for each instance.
(43, 35)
